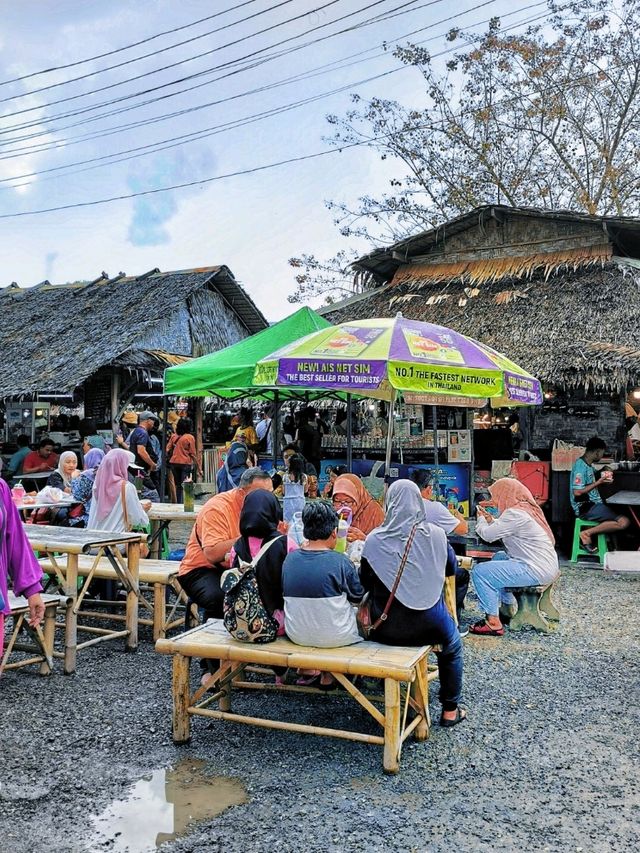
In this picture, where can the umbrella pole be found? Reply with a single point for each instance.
(275, 428)
(434, 415)
(349, 435)
(390, 426)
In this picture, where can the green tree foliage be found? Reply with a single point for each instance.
(548, 117)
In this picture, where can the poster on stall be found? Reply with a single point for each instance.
(451, 481)
(459, 445)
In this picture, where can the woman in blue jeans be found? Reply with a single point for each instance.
(530, 558)
(418, 615)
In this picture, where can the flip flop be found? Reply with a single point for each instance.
(483, 629)
(460, 717)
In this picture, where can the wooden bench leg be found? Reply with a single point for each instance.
(548, 607)
(392, 744)
(181, 696)
(131, 612)
(529, 614)
(420, 694)
(71, 620)
(49, 634)
(224, 702)
(159, 611)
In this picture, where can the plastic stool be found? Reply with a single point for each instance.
(578, 549)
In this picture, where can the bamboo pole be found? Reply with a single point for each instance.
(165, 464)
(391, 758)
(181, 722)
(133, 568)
(159, 610)
(70, 588)
(420, 694)
(113, 635)
(199, 430)
(48, 639)
(289, 727)
(360, 698)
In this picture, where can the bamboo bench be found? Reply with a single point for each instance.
(41, 638)
(404, 670)
(535, 608)
(158, 574)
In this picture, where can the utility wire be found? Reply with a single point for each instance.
(189, 59)
(172, 142)
(42, 121)
(124, 47)
(257, 169)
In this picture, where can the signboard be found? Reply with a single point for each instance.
(444, 400)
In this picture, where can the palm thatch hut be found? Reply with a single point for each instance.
(558, 292)
(107, 340)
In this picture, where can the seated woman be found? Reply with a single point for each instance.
(66, 471)
(367, 514)
(235, 464)
(530, 558)
(115, 505)
(259, 521)
(418, 615)
(82, 487)
(319, 585)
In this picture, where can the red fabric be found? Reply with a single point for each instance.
(33, 460)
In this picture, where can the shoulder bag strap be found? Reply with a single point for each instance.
(263, 551)
(403, 562)
(123, 498)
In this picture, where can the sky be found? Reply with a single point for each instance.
(253, 223)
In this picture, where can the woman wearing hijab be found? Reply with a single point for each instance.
(66, 471)
(82, 486)
(418, 615)
(112, 492)
(367, 514)
(259, 522)
(530, 558)
(18, 562)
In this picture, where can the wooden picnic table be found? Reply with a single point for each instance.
(161, 515)
(72, 541)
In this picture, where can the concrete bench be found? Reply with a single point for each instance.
(159, 575)
(38, 641)
(535, 608)
(405, 704)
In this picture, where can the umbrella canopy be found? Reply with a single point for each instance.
(229, 372)
(377, 358)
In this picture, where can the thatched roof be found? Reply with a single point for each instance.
(55, 336)
(571, 324)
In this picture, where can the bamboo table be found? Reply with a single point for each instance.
(404, 670)
(161, 515)
(54, 541)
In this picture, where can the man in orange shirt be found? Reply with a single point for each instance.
(216, 529)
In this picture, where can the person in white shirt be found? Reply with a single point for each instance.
(264, 428)
(530, 558)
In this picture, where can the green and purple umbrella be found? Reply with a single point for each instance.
(377, 358)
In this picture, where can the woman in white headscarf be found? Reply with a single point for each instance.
(66, 471)
(418, 615)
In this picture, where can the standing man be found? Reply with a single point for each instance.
(263, 429)
(309, 438)
(585, 497)
(140, 443)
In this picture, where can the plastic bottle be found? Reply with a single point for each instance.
(341, 541)
(187, 492)
(17, 493)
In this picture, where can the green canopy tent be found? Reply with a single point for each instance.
(229, 372)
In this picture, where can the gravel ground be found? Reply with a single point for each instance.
(548, 760)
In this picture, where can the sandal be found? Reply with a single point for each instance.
(308, 681)
(460, 717)
(589, 548)
(485, 630)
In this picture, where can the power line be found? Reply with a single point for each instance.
(184, 61)
(341, 64)
(230, 125)
(137, 59)
(40, 122)
(254, 169)
(124, 47)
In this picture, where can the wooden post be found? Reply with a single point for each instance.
(420, 694)
(181, 721)
(275, 420)
(198, 426)
(391, 761)
(349, 435)
(48, 633)
(131, 621)
(115, 398)
(390, 428)
(71, 622)
(224, 703)
(159, 610)
(434, 415)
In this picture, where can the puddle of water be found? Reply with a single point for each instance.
(164, 806)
